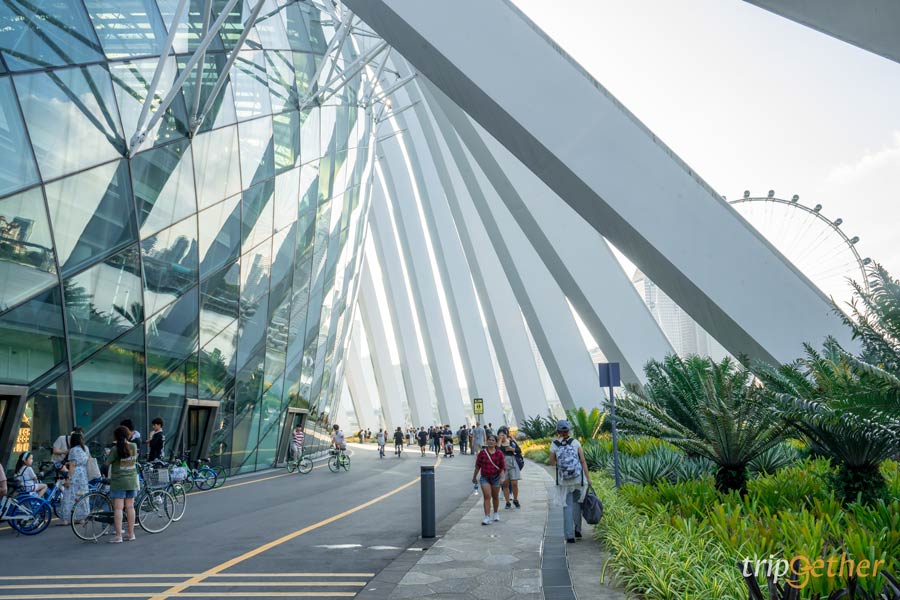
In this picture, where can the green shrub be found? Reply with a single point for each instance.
(538, 427)
(597, 456)
(538, 455)
(789, 489)
(658, 465)
(776, 457)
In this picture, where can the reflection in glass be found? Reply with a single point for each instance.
(103, 302)
(217, 364)
(283, 249)
(92, 214)
(220, 235)
(49, 414)
(270, 27)
(295, 26)
(248, 391)
(280, 66)
(165, 400)
(26, 248)
(258, 212)
(17, 170)
(257, 160)
(110, 387)
(190, 26)
(216, 165)
(309, 136)
(256, 267)
(46, 33)
(163, 186)
(287, 192)
(172, 336)
(131, 82)
(31, 339)
(170, 264)
(251, 92)
(127, 27)
(221, 111)
(286, 140)
(71, 118)
(219, 301)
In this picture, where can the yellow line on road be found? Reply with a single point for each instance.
(134, 584)
(176, 590)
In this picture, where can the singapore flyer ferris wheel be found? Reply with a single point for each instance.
(815, 244)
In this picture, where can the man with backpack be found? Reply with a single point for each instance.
(571, 478)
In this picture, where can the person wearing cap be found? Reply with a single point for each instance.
(572, 480)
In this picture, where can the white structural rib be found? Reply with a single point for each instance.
(551, 114)
(361, 381)
(462, 304)
(423, 281)
(540, 299)
(873, 25)
(418, 392)
(495, 295)
(576, 255)
(388, 377)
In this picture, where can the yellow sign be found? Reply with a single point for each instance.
(478, 404)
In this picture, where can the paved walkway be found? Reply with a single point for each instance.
(523, 557)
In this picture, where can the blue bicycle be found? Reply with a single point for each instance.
(28, 514)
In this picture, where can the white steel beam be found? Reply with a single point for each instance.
(571, 132)
(418, 392)
(361, 382)
(388, 376)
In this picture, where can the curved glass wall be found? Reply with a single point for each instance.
(215, 265)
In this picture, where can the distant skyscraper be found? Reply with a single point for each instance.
(685, 335)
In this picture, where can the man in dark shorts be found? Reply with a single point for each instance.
(398, 442)
(422, 438)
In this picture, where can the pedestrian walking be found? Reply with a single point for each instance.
(76, 482)
(489, 430)
(422, 437)
(567, 456)
(381, 439)
(398, 442)
(490, 463)
(512, 455)
(463, 435)
(478, 442)
(123, 481)
(436, 436)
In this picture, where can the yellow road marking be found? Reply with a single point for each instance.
(49, 586)
(188, 595)
(181, 575)
(176, 590)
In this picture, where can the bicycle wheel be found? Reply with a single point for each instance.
(31, 515)
(346, 462)
(180, 498)
(206, 479)
(221, 476)
(306, 465)
(334, 464)
(154, 510)
(187, 483)
(98, 519)
(291, 466)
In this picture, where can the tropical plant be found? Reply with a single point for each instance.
(706, 408)
(875, 318)
(585, 425)
(597, 456)
(538, 427)
(828, 400)
(776, 457)
(651, 468)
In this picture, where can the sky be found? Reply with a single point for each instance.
(751, 101)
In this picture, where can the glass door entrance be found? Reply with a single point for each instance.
(15, 435)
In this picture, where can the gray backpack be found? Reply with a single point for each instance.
(568, 465)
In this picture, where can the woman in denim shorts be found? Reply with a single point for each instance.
(491, 464)
(123, 482)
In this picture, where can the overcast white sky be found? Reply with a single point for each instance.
(751, 101)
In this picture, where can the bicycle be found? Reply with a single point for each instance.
(203, 477)
(175, 486)
(154, 510)
(303, 465)
(338, 460)
(26, 513)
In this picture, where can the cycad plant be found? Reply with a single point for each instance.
(708, 409)
(585, 425)
(875, 318)
(835, 401)
(538, 427)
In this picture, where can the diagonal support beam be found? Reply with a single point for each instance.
(141, 134)
(195, 109)
(224, 75)
(352, 69)
(336, 42)
(137, 138)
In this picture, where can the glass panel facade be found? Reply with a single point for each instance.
(214, 266)
(17, 170)
(92, 214)
(26, 248)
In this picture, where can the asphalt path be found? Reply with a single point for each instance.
(272, 535)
